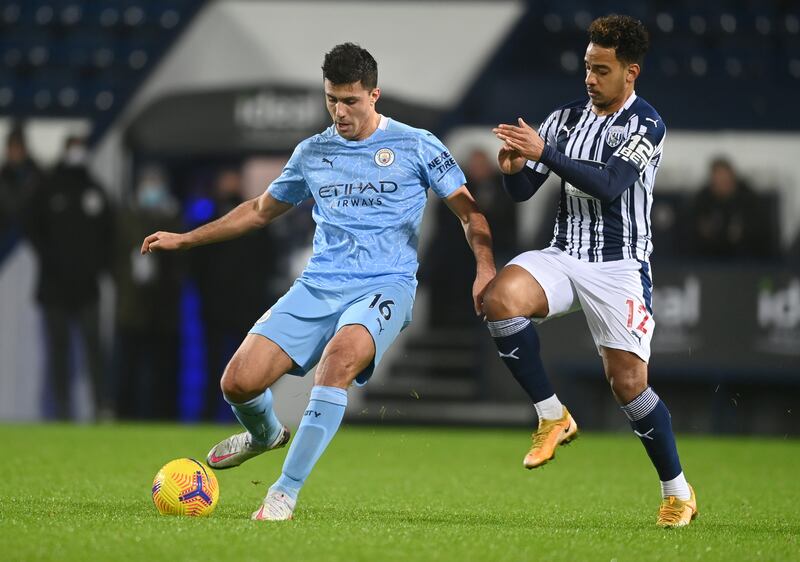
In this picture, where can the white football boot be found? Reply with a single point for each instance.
(240, 447)
(276, 506)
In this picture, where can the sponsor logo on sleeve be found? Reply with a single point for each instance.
(442, 163)
(638, 151)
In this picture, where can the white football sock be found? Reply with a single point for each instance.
(549, 408)
(677, 487)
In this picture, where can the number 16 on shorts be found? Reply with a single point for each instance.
(384, 307)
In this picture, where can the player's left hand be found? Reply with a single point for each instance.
(522, 138)
(482, 280)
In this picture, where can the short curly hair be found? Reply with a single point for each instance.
(626, 35)
(347, 63)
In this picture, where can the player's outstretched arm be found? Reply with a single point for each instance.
(605, 184)
(250, 215)
(479, 238)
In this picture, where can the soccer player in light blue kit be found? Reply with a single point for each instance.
(369, 177)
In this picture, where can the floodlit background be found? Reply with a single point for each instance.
(187, 107)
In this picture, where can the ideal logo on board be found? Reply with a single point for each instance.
(779, 318)
(677, 316)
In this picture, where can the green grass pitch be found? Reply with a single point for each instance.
(389, 493)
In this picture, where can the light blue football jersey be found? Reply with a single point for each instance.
(369, 198)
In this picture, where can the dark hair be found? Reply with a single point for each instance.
(626, 35)
(348, 63)
(721, 162)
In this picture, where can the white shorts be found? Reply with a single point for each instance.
(616, 296)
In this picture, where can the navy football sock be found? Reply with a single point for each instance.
(518, 345)
(652, 423)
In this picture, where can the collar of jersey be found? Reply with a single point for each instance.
(382, 125)
(626, 105)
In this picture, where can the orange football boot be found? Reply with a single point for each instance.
(675, 512)
(549, 435)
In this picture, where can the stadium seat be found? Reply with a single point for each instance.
(67, 57)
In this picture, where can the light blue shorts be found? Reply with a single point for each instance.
(306, 318)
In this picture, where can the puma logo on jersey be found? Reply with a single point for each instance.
(509, 355)
(567, 130)
(328, 161)
(646, 434)
(655, 121)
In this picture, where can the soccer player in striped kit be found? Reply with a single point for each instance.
(606, 149)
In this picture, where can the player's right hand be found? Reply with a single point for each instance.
(510, 161)
(163, 241)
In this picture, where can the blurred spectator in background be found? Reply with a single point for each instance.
(486, 185)
(19, 177)
(295, 238)
(148, 304)
(729, 220)
(233, 280)
(71, 227)
(448, 268)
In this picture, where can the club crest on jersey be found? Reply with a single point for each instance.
(615, 136)
(384, 157)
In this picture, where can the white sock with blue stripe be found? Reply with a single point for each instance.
(320, 423)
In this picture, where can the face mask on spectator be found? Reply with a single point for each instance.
(75, 155)
(153, 196)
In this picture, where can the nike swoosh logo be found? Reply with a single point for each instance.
(259, 515)
(215, 458)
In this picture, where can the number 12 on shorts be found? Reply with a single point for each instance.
(642, 327)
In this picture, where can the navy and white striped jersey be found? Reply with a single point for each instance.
(594, 230)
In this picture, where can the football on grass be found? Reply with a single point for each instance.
(185, 487)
